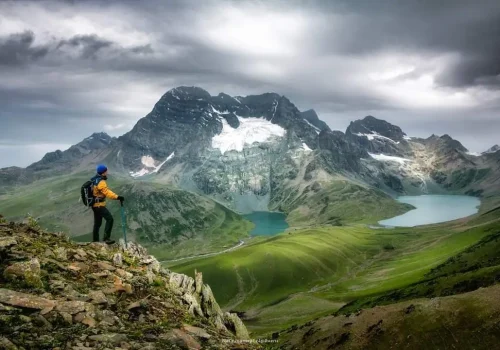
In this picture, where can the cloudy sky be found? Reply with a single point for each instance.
(70, 68)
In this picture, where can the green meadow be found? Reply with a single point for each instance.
(301, 275)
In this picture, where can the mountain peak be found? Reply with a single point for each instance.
(312, 117)
(493, 149)
(451, 142)
(188, 93)
(371, 126)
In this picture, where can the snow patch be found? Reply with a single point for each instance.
(386, 158)
(148, 161)
(493, 149)
(141, 172)
(475, 154)
(219, 112)
(250, 130)
(406, 137)
(166, 160)
(306, 148)
(149, 165)
(375, 135)
(314, 127)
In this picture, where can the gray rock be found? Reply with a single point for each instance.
(73, 307)
(97, 297)
(181, 339)
(113, 338)
(233, 322)
(7, 344)
(61, 254)
(7, 242)
(28, 272)
(194, 306)
(117, 259)
(24, 300)
(198, 281)
(197, 331)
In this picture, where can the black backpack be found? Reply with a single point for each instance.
(87, 193)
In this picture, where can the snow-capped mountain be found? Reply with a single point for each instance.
(493, 149)
(260, 152)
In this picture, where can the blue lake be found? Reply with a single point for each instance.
(267, 223)
(432, 209)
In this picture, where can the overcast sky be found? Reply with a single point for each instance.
(70, 68)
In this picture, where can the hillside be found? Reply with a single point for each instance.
(158, 216)
(295, 277)
(465, 321)
(197, 162)
(58, 294)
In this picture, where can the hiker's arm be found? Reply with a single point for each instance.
(103, 188)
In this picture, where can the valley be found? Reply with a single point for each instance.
(314, 272)
(291, 223)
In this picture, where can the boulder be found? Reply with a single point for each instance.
(181, 339)
(28, 272)
(198, 281)
(113, 338)
(197, 331)
(234, 323)
(24, 300)
(124, 274)
(7, 242)
(103, 265)
(194, 306)
(209, 305)
(73, 307)
(7, 344)
(117, 259)
(61, 254)
(97, 297)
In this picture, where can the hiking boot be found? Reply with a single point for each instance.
(109, 241)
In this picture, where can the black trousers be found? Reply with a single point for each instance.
(99, 214)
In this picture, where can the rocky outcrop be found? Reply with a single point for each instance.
(312, 117)
(58, 294)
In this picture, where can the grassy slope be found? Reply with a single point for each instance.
(465, 321)
(313, 272)
(472, 268)
(339, 202)
(175, 222)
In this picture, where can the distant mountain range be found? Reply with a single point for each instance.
(260, 152)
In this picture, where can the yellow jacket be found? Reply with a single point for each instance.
(101, 192)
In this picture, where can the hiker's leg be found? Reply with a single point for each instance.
(109, 223)
(97, 224)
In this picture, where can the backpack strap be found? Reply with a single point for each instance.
(95, 181)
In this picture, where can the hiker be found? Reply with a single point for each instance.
(101, 191)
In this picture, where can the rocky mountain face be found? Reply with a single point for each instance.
(401, 164)
(60, 295)
(493, 149)
(260, 152)
(311, 116)
(80, 156)
(242, 151)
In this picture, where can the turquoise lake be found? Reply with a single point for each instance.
(432, 209)
(267, 223)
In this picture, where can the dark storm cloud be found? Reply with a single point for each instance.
(89, 45)
(469, 29)
(101, 65)
(18, 48)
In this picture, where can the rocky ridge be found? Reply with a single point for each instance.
(56, 294)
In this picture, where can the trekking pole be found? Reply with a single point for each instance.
(124, 224)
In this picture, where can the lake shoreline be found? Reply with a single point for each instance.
(433, 209)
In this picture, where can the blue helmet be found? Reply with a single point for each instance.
(101, 168)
